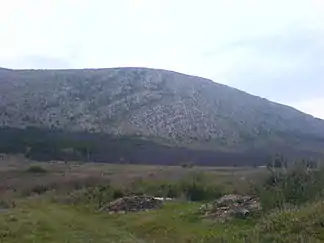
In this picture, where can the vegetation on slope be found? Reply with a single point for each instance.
(50, 144)
(159, 105)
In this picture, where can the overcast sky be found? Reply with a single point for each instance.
(274, 49)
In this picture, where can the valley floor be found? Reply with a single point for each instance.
(32, 209)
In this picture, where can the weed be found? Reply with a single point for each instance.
(295, 186)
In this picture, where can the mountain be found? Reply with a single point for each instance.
(176, 114)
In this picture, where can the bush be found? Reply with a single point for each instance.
(154, 188)
(195, 187)
(96, 196)
(5, 204)
(39, 189)
(187, 165)
(295, 186)
(36, 169)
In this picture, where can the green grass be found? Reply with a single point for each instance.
(41, 221)
(304, 224)
(38, 220)
(52, 216)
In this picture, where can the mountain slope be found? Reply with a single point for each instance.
(162, 106)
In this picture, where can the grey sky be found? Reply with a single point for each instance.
(274, 49)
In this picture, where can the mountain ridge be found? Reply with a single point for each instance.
(160, 105)
(164, 70)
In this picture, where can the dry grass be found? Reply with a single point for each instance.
(26, 217)
(70, 175)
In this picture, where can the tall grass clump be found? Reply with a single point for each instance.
(291, 186)
(194, 187)
(36, 169)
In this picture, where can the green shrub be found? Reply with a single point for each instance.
(96, 196)
(36, 169)
(194, 187)
(294, 186)
(155, 188)
(187, 165)
(99, 195)
(40, 189)
(197, 187)
(5, 204)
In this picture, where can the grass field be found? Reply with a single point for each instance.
(31, 209)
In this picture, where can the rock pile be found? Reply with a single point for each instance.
(133, 204)
(232, 205)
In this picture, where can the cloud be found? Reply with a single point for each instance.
(312, 106)
(282, 67)
(36, 62)
(287, 67)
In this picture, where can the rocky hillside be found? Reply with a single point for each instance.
(158, 105)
